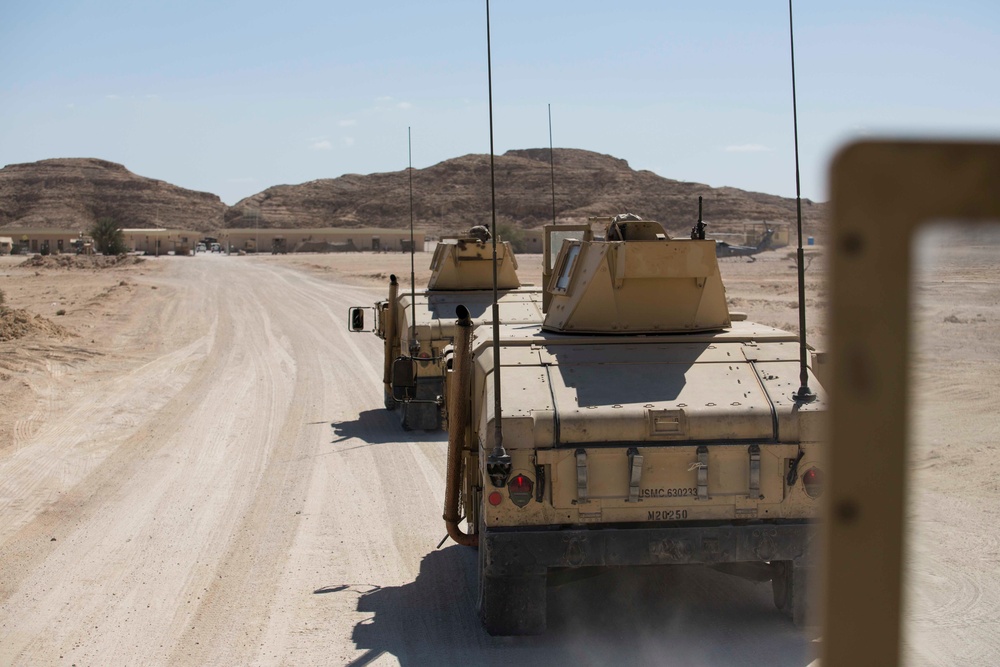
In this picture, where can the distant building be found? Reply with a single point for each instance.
(531, 240)
(163, 241)
(159, 241)
(41, 240)
(331, 239)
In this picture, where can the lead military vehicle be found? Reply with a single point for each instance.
(640, 423)
(417, 327)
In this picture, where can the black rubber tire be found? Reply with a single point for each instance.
(387, 401)
(779, 584)
(404, 414)
(790, 586)
(509, 606)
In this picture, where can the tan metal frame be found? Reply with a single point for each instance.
(882, 193)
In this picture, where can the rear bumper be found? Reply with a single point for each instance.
(516, 552)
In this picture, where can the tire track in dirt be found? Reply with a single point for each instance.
(363, 480)
(250, 572)
(94, 500)
(58, 452)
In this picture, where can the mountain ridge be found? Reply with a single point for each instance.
(449, 196)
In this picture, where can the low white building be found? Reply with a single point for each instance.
(329, 239)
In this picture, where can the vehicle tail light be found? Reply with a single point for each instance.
(520, 490)
(495, 498)
(812, 482)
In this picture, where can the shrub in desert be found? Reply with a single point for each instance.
(108, 237)
(514, 235)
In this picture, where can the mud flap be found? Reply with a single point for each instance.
(511, 604)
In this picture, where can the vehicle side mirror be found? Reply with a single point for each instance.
(403, 378)
(356, 319)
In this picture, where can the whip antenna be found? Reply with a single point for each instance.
(413, 281)
(498, 463)
(552, 167)
(804, 394)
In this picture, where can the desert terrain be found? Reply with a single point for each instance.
(196, 469)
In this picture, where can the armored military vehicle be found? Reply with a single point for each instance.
(417, 327)
(640, 423)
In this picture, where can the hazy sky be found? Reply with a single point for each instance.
(233, 97)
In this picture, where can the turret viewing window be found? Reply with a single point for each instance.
(569, 260)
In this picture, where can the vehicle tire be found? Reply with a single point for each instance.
(509, 605)
(387, 400)
(790, 587)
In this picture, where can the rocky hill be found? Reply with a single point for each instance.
(72, 193)
(455, 194)
(449, 196)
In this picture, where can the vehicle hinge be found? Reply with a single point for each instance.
(581, 476)
(754, 472)
(702, 472)
(634, 474)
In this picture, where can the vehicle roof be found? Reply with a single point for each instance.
(435, 310)
(690, 387)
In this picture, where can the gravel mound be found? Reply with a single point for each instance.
(80, 261)
(16, 323)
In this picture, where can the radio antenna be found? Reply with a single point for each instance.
(804, 394)
(498, 463)
(552, 167)
(413, 281)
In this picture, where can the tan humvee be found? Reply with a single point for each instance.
(643, 423)
(417, 329)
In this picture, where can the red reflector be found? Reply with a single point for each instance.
(495, 498)
(812, 481)
(520, 490)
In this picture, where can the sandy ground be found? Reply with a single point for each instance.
(202, 473)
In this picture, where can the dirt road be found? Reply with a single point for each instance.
(212, 480)
(186, 501)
